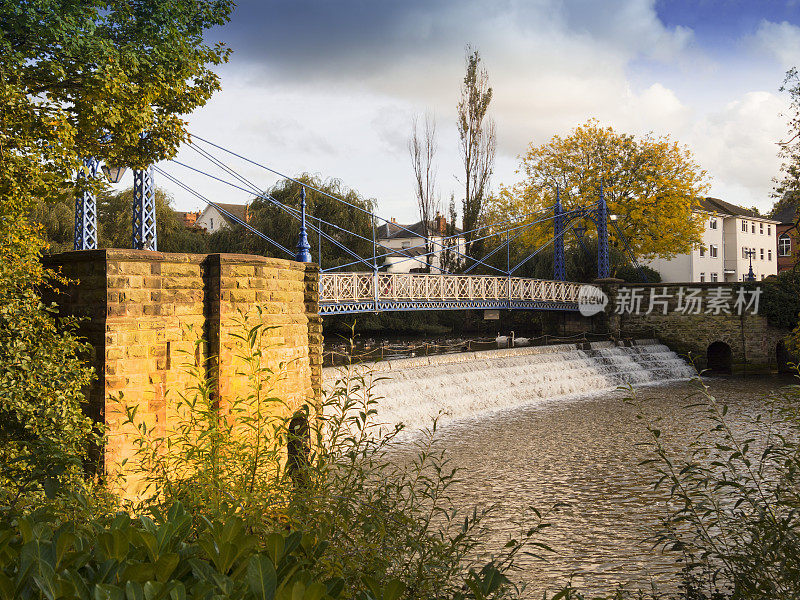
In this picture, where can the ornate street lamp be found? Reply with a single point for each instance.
(113, 174)
(750, 254)
(86, 204)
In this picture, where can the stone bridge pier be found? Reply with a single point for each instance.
(157, 321)
(707, 329)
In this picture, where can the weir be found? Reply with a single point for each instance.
(469, 384)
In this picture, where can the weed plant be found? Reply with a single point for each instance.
(734, 498)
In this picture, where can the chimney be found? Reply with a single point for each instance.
(441, 223)
(394, 220)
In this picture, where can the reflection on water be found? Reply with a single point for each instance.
(583, 451)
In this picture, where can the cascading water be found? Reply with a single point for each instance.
(415, 390)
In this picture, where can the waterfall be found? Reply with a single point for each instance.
(469, 384)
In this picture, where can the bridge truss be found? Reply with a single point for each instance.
(345, 293)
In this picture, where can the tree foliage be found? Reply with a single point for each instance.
(478, 143)
(77, 79)
(422, 150)
(650, 183)
(279, 225)
(787, 185)
(114, 223)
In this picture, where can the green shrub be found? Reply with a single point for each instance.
(162, 557)
(780, 299)
(44, 435)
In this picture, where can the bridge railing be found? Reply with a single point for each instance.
(365, 287)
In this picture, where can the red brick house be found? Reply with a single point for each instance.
(788, 239)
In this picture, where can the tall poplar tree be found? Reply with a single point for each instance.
(477, 144)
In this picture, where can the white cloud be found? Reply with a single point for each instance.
(338, 101)
(781, 40)
(738, 147)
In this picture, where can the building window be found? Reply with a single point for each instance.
(762, 277)
(712, 224)
(769, 254)
(713, 277)
(713, 250)
(212, 224)
(753, 227)
(744, 225)
(702, 277)
(702, 251)
(769, 229)
(744, 252)
(784, 245)
(762, 254)
(761, 228)
(405, 244)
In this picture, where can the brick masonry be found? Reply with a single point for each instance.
(152, 314)
(752, 340)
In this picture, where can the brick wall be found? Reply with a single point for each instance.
(151, 314)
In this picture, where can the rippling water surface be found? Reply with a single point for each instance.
(583, 451)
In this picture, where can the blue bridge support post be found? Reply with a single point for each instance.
(86, 209)
(559, 270)
(303, 247)
(603, 263)
(144, 210)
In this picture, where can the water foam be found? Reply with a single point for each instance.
(471, 384)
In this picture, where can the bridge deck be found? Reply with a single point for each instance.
(342, 293)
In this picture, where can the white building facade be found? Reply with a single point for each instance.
(730, 233)
(404, 246)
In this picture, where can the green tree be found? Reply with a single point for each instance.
(282, 227)
(114, 216)
(77, 79)
(478, 143)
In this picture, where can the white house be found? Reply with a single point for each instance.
(730, 233)
(405, 245)
(212, 219)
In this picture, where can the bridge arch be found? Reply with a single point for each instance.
(719, 357)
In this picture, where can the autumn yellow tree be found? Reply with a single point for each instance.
(651, 184)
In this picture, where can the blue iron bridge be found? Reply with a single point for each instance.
(347, 293)
(342, 291)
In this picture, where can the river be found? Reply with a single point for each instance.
(560, 433)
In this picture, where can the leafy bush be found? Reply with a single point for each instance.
(780, 299)
(633, 274)
(44, 435)
(163, 557)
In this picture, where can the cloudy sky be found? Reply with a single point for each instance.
(330, 86)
